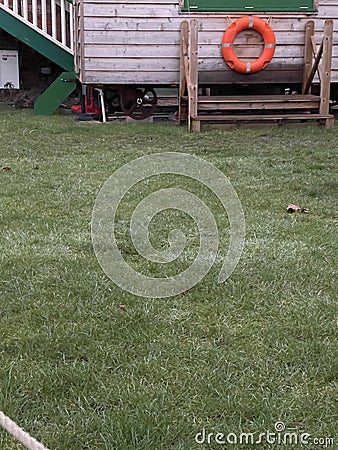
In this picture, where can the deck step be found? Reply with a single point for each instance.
(258, 102)
(258, 98)
(261, 117)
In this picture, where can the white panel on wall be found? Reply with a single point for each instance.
(9, 69)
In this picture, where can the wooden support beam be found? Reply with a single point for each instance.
(314, 69)
(196, 125)
(193, 60)
(326, 69)
(314, 46)
(309, 33)
(315, 52)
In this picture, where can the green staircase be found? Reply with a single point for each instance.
(56, 93)
(43, 35)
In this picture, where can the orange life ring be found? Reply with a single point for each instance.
(230, 34)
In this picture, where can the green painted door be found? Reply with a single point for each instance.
(249, 5)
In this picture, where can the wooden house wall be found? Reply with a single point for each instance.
(129, 41)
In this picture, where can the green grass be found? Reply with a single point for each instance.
(79, 374)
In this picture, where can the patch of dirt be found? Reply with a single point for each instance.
(19, 98)
(23, 99)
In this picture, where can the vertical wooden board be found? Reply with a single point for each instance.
(193, 70)
(82, 42)
(326, 67)
(196, 125)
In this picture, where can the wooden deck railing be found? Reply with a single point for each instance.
(52, 18)
(318, 59)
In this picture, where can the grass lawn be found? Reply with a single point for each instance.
(79, 373)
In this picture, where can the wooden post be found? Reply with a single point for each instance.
(184, 71)
(309, 31)
(193, 94)
(326, 70)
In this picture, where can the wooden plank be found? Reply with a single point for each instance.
(110, 32)
(141, 24)
(196, 125)
(278, 75)
(256, 106)
(132, 51)
(207, 54)
(193, 68)
(207, 25)
(81, 59)
(329, 122)
(261, 117)
(120, 28)
(123, 76)
(208, 48)
(132, 77)
(152, 61)
(309, 32)
(314, 45)
(330, 10)
(313, 69)
(133, 64)
(133, 38)
(172, 77)
(259, 98)
(258, 125)
(263, 102)
(326, 67)
(113, 9)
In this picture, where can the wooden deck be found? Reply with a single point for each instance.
(250, 109)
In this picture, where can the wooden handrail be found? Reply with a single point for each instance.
(324, 53)
(52, 18)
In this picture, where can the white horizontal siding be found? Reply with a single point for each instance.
(167, 43)
(138, 42)
(132, 10)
